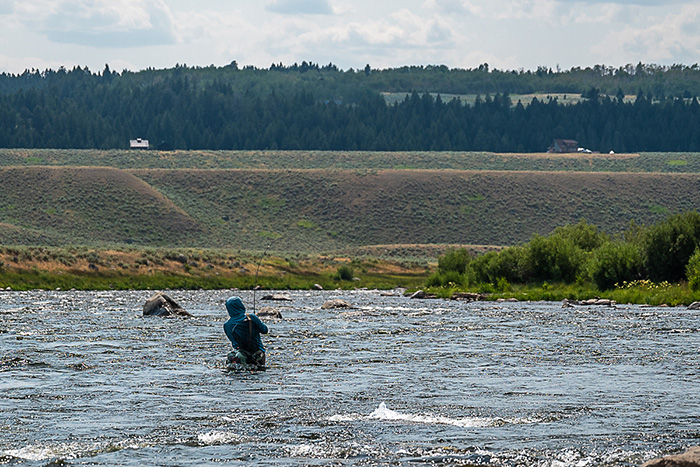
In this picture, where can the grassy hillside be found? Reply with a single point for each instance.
(323, 210)
(82, 205)
(332, 209)
(358, 160)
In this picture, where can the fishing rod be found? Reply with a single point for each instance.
(264, 253)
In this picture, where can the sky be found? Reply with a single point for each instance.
(506, 34)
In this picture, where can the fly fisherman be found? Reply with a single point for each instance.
(243, 330)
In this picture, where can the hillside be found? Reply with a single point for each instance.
(332, 209)
(83, 205)
(314, 210)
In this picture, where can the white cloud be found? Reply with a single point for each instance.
(531, 10)
(452, 7)
(100, 23)
(674, 39)
(508, 34)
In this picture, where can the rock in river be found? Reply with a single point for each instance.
(161, 305)
(277, 297)
(335, 303)
(269, 312)
(690, 458)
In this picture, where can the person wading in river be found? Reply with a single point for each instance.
(243, 330)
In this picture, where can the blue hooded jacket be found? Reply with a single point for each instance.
(237, 330)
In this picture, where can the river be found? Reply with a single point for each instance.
(86, 380)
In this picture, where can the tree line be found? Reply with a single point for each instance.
(227, 108)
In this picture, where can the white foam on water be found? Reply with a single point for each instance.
(330, 449)
(218, 437)
(384, 413)
(30, 453)
(344, 418)
(304, 450)
(62, 451)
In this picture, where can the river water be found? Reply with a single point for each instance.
(85, 380)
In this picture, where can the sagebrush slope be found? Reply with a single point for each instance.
(91, 206)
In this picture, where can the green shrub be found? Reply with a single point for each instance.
(510, 264)
(446, 279)
(616, 262)
(584, 236)
(669, 246)
(345, 273)
(454, 259)
(555, 258)
(693, 271)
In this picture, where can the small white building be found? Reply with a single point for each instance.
(138, 143)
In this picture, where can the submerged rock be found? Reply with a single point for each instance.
(269, 312)
(690, 458)
(467, 296)
(694, 306)
(277, 297)
(598, 302)
(421, 294)
(335, 304)
(161, 305)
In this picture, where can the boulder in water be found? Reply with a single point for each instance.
(422, 294)
(597, 302)
(161, 305)
(269, 312)
(690, 458)
(335, 303)
(467, 296)
(277, 297)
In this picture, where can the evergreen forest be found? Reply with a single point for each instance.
(310, 107)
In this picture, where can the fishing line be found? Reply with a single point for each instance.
(264, 253)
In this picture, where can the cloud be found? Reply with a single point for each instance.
(107, 23)
(7, 7)
(306, 7)
(452, 7)
(674, 39)
(629, 2)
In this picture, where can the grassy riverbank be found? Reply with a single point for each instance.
(638, 293)
(26, 268)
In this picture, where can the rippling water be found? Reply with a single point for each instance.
(85, 380)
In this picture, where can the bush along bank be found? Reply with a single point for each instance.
(657, 264)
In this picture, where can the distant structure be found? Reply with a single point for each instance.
(563, 145)
(138, 143)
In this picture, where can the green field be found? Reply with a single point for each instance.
(354, 160)
(525, 99)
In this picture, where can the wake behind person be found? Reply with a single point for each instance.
(243, 330)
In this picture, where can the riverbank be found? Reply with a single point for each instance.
(81, 268)
(30, 268)
(641, 292)
(88, 269)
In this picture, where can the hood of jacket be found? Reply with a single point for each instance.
(235, 307)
